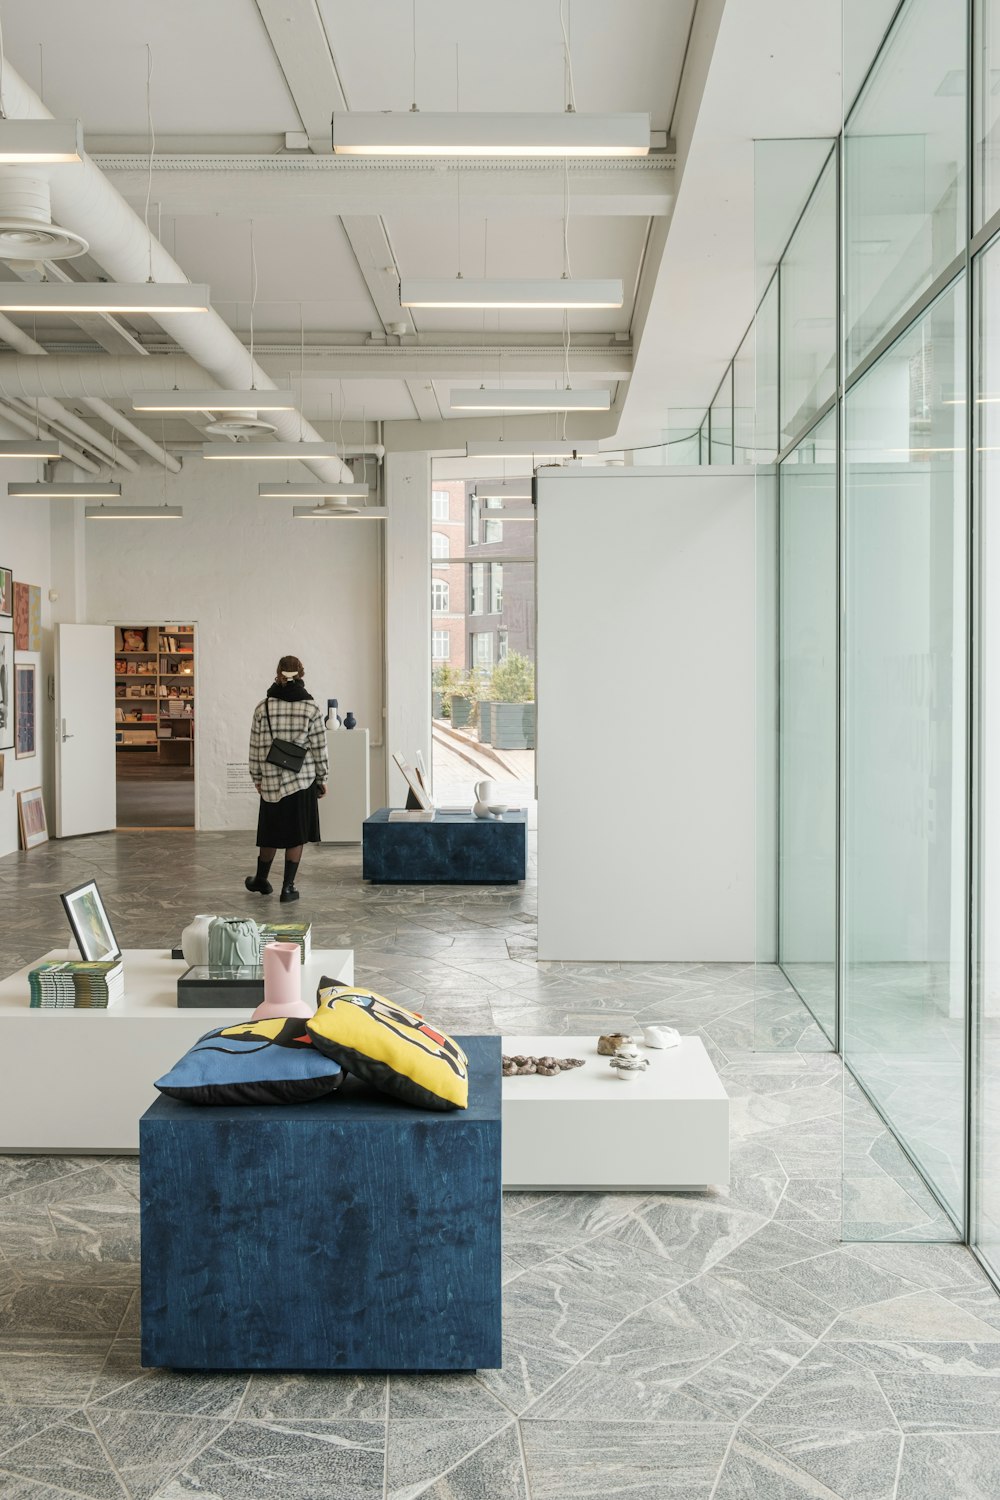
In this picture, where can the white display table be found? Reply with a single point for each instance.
(77, 1081)
(347, 803)
(588, 1130)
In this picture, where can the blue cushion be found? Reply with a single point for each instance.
(254, 1062)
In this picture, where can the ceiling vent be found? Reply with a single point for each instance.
(26, 228)
(245, 426)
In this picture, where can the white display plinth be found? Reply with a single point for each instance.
(588, 1130)
(348, 797)
(77, 1081)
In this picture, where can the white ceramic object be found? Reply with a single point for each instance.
(661, 1036)
(194, 940)
(486, 795)
(498, 809)
(627, 1050)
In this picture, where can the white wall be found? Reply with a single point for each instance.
(25, 549)
(408, 613)
(646, 703)
(257, 585)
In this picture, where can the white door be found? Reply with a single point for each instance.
(85, 729)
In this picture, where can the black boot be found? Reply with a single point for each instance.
(260, 882)
(288, 891)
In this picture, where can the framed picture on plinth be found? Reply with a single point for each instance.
(89, 922)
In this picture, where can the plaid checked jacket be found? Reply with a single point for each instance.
(301, 721)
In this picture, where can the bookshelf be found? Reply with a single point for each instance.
(155, 693)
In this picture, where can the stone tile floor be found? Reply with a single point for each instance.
(719, 1345)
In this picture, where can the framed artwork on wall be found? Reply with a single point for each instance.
(6, 690)
(27, 617)
(90, 923)
(6, 593)
(31, 818)
(25, 709)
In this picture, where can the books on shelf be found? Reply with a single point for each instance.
(288, 932)
(76, 985)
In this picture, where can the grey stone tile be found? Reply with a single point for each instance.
(15, 1487)
(317, 1396)
(67, 1456)
(753, 1470)
(20, 1421)
(918, 1316)
(963, 1464)
(941, 1358)
(641, 1460)
(691, 1232)
(40, 1308)
(426, 1453)
(825, 1391)
(928, 1403)
(818, 1463)
(148, 1448)
(445, 1397)
(844, 1282)
(43, 1373)
(18, 1173)
(124, 1386)
(293, 1460)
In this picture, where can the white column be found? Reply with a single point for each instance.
(407, 614)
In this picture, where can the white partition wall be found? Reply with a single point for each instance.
(646, 716)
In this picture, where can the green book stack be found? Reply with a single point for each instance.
(288, 932)
(76, 985)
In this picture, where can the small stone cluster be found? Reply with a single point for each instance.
(546, 1067)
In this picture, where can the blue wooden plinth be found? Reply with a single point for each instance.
(352, 1233)
(453, 849)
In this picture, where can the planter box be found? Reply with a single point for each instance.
(461, 711)
(437, 704)
(512, 725)
(486, 723)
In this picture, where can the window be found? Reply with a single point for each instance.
(496, 588)
(440, 505)
(474, 508)
(482, 651)
(440, 645)
(440, 596)
(477, 588)
(493, 530)
(440, 544)
(501, 645)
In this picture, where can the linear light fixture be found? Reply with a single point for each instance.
(326, 511)
(414, 133)
(103, 297)
(513, 512)
(134, 513)
(18, 490)
(46, 449)
(28, 141)
(526, 292)
(312, 491)
(495, 399)
(215, 400)
(282, 451)
(532, 448)
(504, 489)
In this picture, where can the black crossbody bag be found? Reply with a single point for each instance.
(284, 753)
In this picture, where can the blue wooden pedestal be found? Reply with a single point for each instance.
(453, 849)
(352, 1233)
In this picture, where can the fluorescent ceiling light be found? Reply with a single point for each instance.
(512, 400)
(532, 448)
(27, 141)
(134, 513)
(103, 297)
(16, 490)
(43, 448)
(414, 133)
(339, 512)
(214, 400)
(511, 511)
(504, 489)
(544, 292)
(312, 491)
(283, 451)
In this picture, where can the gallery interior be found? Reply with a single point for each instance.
(499, 729)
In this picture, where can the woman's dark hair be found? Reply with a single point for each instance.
(289, 667)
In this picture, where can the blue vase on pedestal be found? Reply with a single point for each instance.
(350, 722)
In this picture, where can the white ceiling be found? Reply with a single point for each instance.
(221, 84)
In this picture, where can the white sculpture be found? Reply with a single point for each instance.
(627, 1063)
(194, 940)
(661, 1036)
(487, 804)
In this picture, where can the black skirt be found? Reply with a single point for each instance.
(292, 821)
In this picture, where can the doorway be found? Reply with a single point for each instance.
(155, 716)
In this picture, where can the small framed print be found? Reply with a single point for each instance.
(6, 593)
(90, 924)
(25, 709)
(31, 818)
(6, 690)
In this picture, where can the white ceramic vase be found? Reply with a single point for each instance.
(486, 795)
(194, 940)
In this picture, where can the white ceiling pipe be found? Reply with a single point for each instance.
(85, 200)
(91, 437)
(129, 430)
(15, 418)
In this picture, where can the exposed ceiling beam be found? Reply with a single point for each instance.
(302, 49)
(311, 186)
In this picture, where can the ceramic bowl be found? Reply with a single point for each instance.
(498, 808)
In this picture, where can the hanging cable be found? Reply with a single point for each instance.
(253, 301)
(413, 106)
(568, 59)
(302, 376)
(3, 111)
(152, 149)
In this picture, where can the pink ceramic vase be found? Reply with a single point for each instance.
(282, 983)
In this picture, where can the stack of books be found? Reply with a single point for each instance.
(77, 985)
(288, 932)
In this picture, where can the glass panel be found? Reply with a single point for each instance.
(809, 310)
(766, 375)
(744, 447)
(903, 777)
(865, 23)
(987, 111)
(722, 422)
(807, 622)
(904, 171)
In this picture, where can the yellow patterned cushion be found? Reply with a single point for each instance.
(390, 1047)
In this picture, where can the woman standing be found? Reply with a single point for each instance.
(289, 812)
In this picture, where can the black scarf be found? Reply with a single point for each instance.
(290, 692)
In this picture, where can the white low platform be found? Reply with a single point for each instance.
(77, 1080)
(588, 1130)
